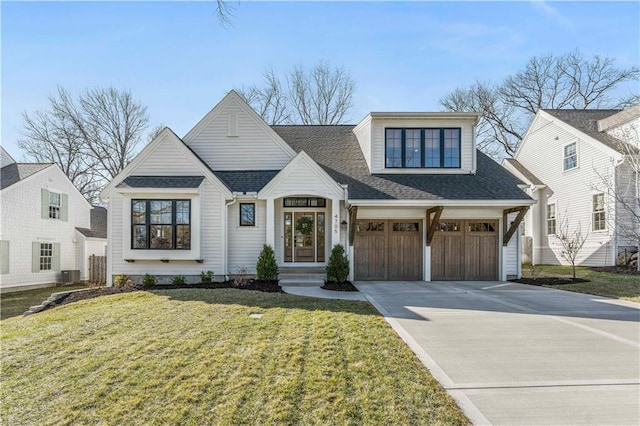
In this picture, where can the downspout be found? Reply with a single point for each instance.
(226, 234)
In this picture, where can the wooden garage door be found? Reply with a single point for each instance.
(388, 250)
(465, 250)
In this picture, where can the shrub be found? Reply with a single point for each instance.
(267, 267)
(338, 266)
(206, 277)
(120, 280)
(149, 280)
(179, 280)
(241, 278)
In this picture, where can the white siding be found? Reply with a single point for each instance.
(363, 134)
(5, 158)
(511, 252)
(22, 225)
(166, 160)
(245, 242)
(378, 143)
(627, 206)
(572, 191)
(223, 152)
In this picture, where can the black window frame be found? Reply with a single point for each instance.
(403, 147)
(253, 223)
(174, 224)
(304, 202)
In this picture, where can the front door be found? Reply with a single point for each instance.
(303, 240)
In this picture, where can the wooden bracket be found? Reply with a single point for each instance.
(509, 231)
(353, 215)
(432, 224)
(130, 260)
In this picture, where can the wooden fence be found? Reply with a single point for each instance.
(98, 270)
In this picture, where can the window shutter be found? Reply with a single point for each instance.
(64, 209)
(45, 206)
(4, 257)
(56, 257)
(35, 257)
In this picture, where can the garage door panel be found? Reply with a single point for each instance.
(405, 252)
(370, 259)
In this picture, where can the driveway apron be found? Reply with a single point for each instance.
(516, 354)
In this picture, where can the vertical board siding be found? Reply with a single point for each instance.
(245, 242)
(97, 270)
(222, 152)
(22, 224)
(572, 191)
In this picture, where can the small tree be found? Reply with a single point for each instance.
(571, 242)
(149, 280)
(267, 267)
(338, 266)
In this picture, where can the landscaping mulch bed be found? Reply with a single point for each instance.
(617, 269)
(334, 286)
(549, 281)
(264, 286)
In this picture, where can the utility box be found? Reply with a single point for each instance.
(70, 276)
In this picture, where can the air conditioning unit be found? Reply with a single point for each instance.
(70, 276)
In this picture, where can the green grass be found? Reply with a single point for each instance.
(194, 356)
(608, 284)
(16, 303)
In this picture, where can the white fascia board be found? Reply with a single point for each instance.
(444, 203)
(441, 115)
(364, 122)
(139, 190)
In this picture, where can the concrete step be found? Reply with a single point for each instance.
(302, 270)
(301, 283)
(293, 277)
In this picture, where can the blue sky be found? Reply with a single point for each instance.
(179, 61)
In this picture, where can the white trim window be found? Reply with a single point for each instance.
(46, 256)
(55, 205)
(551, 219)
(598, 213)
(570, 156)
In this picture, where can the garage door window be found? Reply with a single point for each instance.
(370, 226)
(481, 227)
(406, 226)
(449, 227)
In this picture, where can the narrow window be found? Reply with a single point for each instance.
(394, 148)
(551, 219)
(599, 217)
(413, 148)
(570, 157)
(247, 214)
(451, 148)
(432, 147)
(55, 203)
(46, 256)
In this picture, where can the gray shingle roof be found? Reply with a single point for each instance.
(336, 149)
(161, 182)
(524, 171)
(586, 120)
(246, 180)
(98, 224)
(14, 173)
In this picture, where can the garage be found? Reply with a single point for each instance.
(465, 250)
(388, 250)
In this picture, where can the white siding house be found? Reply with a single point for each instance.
(41, 214)
(395, 189)
(578, 169)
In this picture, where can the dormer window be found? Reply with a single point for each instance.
(422, 148)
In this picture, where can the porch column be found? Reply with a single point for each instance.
(335, 221)
(271, 237)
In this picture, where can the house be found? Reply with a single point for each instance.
(47, 225)
(579, 167)
(407, 194)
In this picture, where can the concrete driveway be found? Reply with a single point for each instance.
(516, 354)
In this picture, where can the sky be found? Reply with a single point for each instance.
(178, 60)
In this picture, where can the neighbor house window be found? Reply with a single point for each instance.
(599, 217)
(46, 256)
(161, 224)
(247, 214)
(422, 148)
(55, 204)
(570, 156)
(551, 219)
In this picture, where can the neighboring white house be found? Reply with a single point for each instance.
(579, 170)
(42, 224)
(408, 194)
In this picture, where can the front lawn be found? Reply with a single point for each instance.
(197, 356)
(608, 284)
(17, 302)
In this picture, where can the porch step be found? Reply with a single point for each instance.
(302, 270)
(311, 277)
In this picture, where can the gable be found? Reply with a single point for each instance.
(5, 158)
(230, 135)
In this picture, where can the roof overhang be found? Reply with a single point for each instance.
(444, 203)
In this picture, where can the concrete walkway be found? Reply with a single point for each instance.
(323, 294)
(512, 354)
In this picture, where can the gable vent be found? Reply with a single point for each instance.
(233, 125)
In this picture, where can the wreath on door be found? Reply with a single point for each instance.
(304, 225)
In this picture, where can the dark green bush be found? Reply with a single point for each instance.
(149, 280)
(338, 266)
(267, 267)
(206, 277)
(179, 280)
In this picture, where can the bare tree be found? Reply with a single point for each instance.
(320, 95)
(154, 132)
(548, 82)
(92, 138)
(224, 11)
(571, 242)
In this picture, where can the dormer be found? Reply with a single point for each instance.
(419, 142)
